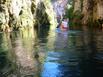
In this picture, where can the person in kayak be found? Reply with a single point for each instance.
(64, 25)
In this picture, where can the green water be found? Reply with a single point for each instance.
(51, 54)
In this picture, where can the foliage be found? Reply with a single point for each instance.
(78, 15)
(69, 13)
(73, 17)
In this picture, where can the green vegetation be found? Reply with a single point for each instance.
(75, 18)
(69, 14)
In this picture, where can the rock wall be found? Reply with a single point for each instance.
(22, 14)
(77, 5)
(87, 11)
(98, 9)
(91, 10)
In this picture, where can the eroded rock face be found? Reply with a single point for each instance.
(92, 10)
(98, 10)
(17, 14)
(4, 16)
(77, 5)
(87, 11)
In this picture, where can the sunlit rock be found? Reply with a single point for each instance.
(77, 5)
(24, 14)
(86, 11)
(98, 12)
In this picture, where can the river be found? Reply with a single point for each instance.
(77, 53)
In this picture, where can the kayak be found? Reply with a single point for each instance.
(58, 30)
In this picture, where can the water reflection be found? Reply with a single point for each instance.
(61, 41)
(51, 54)
(17, 56)
(74, 55)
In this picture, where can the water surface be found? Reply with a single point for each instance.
(51, 54)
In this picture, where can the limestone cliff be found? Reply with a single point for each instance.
(98, 12)
(21, 14)
(77, 5)
(87, 11)
(91, 10)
